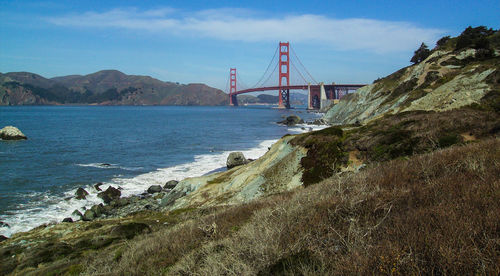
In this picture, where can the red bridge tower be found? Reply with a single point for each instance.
(232, 79)
(284, 75)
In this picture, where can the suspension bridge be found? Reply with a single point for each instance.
(299, 78)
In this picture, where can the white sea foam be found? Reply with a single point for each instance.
(55, 208)
(109, 166)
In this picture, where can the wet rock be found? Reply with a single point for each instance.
(130, 230)
(67, 220)
(89, 215)
(77, 213)
(235, 159)
(81, 193)
(4, 224)
(170, 184)
(98, 209)
(105, 164)
(154, 189)
(318, 122)
(12, 133)
(120, 202)
(2, 238)
(291, 120)
(110, 194)
(68, 198)
(97, 186)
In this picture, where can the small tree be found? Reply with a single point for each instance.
(441, 42)
(420, 54)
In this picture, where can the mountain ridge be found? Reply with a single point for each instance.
(105, 87)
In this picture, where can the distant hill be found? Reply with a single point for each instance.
(107, 87)
(295, 99)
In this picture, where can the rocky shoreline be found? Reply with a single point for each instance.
(155, 198)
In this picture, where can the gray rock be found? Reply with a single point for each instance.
(81, 193)
(77, 214)
(120, 202)
(292, 120)
(67, 220)
(236, 159)
(98, 210)
(170, 184)
(110, 194)
(171, 198)
(97, 186)
(89, 215)
(4, 224)
(12, 133)
(154, 189)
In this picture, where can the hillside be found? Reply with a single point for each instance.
(295, 99)
(406, 183)
(450, 77)
(108, 87)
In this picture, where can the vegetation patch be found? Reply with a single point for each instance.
(325, 154)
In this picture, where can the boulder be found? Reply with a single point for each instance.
(81, 193)
(236, 159)
(12, 133)
(4, 224)
(97, 186)
(292, 120)
(170, 184)
(98, 209)
(110, 194)
(89, 215)
(2, 238)
(77, 213)
(154, 189)
(67, 220)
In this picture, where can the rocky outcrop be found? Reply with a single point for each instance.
(81, 193)
(291, 120)
(12, 133)
(153, 189)
(235, 159)
(445, 80)
(277, 171)
(110, 194)
(170, 184)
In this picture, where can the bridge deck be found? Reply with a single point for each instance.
(298, 87)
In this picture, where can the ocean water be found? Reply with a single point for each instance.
(128, 146)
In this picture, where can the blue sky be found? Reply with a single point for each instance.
(198, 41)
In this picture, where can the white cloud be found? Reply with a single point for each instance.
(248, 26)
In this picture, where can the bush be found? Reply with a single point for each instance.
(442, 41)
(421, 54)
(476, 38)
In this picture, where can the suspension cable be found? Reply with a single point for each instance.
(270, 75)
(238, 80)
(300, 74)
(267, 69)
(293, 52)
(227, 85)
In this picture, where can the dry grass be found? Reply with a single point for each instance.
(432, 214)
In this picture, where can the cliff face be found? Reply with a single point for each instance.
(445, 80)
(277, 171)
(108, 87)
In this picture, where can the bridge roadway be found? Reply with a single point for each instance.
(299, 87)
(316, 93)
